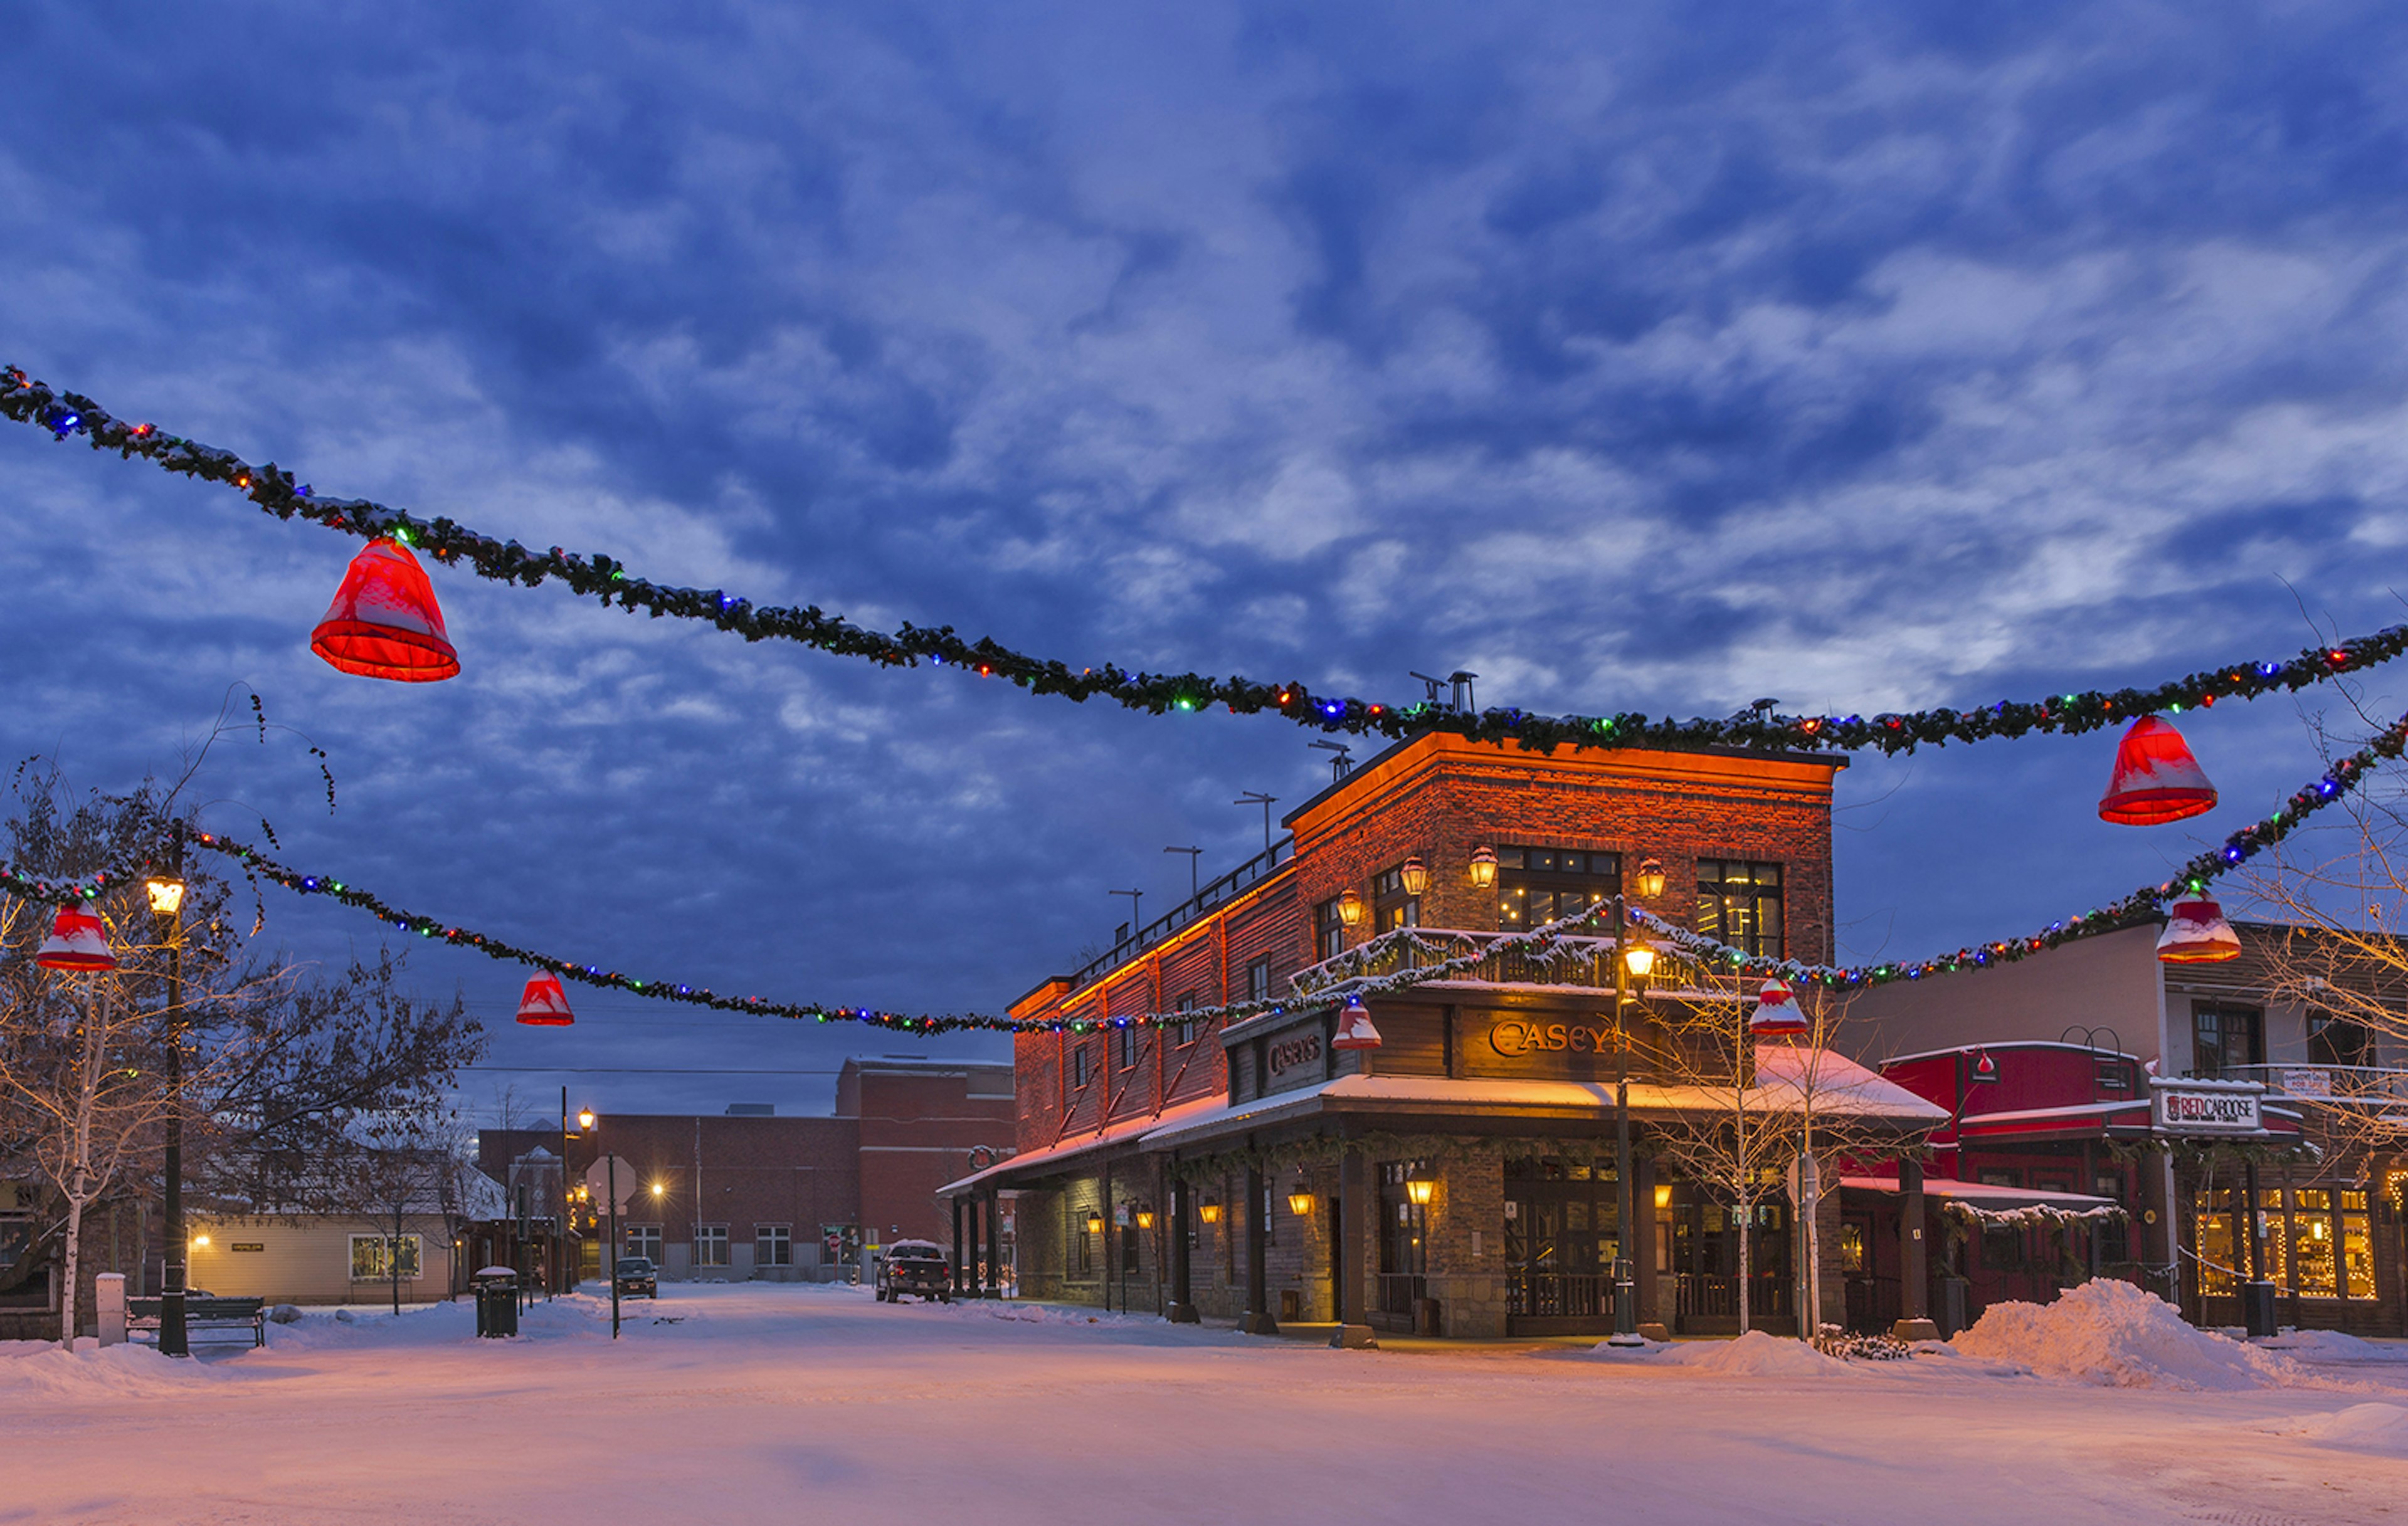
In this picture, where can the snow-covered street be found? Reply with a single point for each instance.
(736, 1402)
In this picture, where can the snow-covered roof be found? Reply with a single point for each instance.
(1079, 1144)
(1987, 1194)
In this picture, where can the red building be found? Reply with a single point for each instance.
(749, 1194)
(1464, 1176)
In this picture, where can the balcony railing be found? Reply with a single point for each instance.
(2366, 1085)
(1245, 876)
(1584, 961)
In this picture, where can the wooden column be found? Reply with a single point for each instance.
(993, 1288)
(1259, 1320)
(1182, 1289)
(1640, 1236)
(959, 1264)
(1914, 1266)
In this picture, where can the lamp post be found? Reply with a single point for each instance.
(167, 895)
(1631, 962)
(610, 1251)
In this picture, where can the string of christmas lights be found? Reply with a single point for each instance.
(1761, 726)
(2140, 905)
(1546, 941)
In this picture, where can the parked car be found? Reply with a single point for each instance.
(917, 1268)
(636, 1278)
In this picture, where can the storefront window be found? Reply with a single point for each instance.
(2357, 1248)
(1540, 884)
(2220, 1248)
(2315, 1258)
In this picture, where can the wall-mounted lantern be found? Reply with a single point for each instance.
(1483, 867)
(1414, 874)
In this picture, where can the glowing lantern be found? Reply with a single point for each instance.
(385, 622)
(2155, 779)
(78, 941)
(1355, 1030)
(1777, 1011)
(1483, 867)
(1414, 874)
(2197, 933)
(1350, 909)
(544, 1004)
(1651, 878)
(1209, 1212)
(1421, 1186)
(1300, 1201)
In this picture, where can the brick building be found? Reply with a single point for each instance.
(749, 1194)
(1464, 1172)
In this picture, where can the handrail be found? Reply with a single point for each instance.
(2325, 1083)
(1245, 876)
(1411, 948)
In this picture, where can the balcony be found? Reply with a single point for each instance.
(2362, 1085)
(1585, 963)
(1216, 892)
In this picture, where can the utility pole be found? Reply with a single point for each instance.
(1255, 797)
(1193, 854)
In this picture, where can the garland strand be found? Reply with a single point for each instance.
(1548, 941)
(2140, 905)
(1761, 726)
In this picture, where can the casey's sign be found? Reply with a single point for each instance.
(1514, 1037)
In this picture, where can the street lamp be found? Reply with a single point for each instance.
(1632, 962)
(166, 893)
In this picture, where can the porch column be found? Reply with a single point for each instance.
(1259, 1320)
(1641, 1235)
(993, 1288)
(1914, 1251)
(958, 1262)
(1182, 1302)
(1350, 1259)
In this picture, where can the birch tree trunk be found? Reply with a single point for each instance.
(79, 1174)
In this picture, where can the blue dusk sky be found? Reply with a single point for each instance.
(1643, 356)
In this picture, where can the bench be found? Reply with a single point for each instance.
(208, 1321)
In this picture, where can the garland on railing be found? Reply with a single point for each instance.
(1549, 941)
(2030, 1215)
(1761, 726)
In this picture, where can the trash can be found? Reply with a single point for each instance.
(2258, 1309)
(496, 1288)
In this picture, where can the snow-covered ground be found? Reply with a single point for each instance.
(784, 1402)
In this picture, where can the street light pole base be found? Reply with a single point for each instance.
(1632, 1338)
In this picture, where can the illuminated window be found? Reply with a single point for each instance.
(1392, 906)
(1739, 903)
(1540, 884)
(372, 1262)
(644, 1240)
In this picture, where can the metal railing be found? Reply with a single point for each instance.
(1399, 1290)
(1582, 961)
(1561, 1295)
(1709, 1297)
(1245, 876)
(2371, 1085)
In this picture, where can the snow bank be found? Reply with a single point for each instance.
(2332, 1346)
(2361, 1428)
(38, 1369)
(1755, 1354)
(2113, 1334)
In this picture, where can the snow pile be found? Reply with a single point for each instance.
(96, 1372)
(1755, 1354)
(2361, 1428)
(2323, 1346)
(2113, 1334)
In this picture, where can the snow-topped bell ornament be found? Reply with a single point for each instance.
(77, 942)
(544, 1004)
(2155, 779)
(1777, 1011)
(1355, 1030)
(385, 622)
(2197, 933)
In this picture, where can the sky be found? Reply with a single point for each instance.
(1643, 357)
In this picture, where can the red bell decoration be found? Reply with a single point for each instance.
(545, 1004)
(1985, 1069)
(78, 941)
(1777, 1011)
(1355, 1030)
(2155, 779)
(385, 622)
(2197, 933)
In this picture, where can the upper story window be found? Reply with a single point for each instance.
(1392, 904)
(1540, 884)
(1329, 926)
(2224, 1038)
(1739, 902)
(1186, 1027)
(1078, 1064)
(1258, 979)
(2336, 1040)
(1124, 1046)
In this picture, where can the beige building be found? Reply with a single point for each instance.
(327, 1259)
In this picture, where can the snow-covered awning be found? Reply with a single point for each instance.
(1987, 1195)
